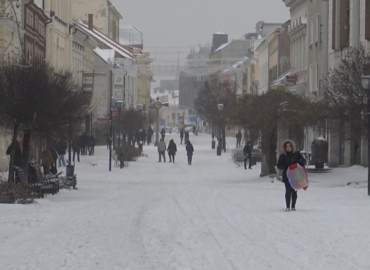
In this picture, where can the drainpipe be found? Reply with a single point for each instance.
(325, 39)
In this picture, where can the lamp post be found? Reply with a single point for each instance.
(157, 105)
(120, 105)
(365, 81)
(220, 108)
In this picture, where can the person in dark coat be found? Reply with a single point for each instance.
(181, 135)
(248, 154)
(172, 149)
(61, 150)
(150, 135)
(238, 138)
(17, 155)
(289, 157)
(189, 152)
(186, 136)
(76, 149)
(163, 133)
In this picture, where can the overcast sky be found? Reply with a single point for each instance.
(185, 23)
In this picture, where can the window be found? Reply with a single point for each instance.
(317, 76)
(311, 31)
(318, 28)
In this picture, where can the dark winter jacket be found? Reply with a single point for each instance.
(18, 153)
(172, 148)
(247, 149)
(76, 145)
(287, 159)
(61, 148)
(187, 135)
(189, 149)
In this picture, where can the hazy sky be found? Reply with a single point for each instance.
(186, 23)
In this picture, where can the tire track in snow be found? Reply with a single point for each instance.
(216, 259)
(141, 259)
(344, 259)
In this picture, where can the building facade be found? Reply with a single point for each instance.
(59, 33)
(34, 21)
(298, 52)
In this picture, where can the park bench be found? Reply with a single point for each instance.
(48, 183)
(21, 178)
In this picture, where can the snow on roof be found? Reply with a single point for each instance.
(321, 138)
(220, 33)
(105, 54)
(222, 46)
(107, 41)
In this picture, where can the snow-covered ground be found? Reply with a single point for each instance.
(211, 215)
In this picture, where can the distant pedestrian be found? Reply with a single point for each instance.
(189, 152)
(163, 133)
(76, 149)
(61, 148)
(248, 155)
(150, 135)
(161, 150)
(172, 149)
(186, 136)
(238, 138)
(181, 135)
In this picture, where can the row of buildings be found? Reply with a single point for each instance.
(86, 37)
(295, 55)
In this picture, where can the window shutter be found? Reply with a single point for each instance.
(367, 19)
(333, 28)
(344, 24)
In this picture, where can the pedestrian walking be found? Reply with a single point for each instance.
(238, 138)
(76, 149)
(181, 135)
(186, 137)
(248, 155)
(163, 133)
(61, 150)
(289, 157)
(47, 161)
(189, 152)
(161, 150)
(172, 149)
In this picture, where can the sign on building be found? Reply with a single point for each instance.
(88, 80)
(118, 86)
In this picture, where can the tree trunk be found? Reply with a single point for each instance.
(26, 149)
(224, 137)
(12, 154)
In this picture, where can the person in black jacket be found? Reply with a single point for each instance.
(172, 149)
(189, 152)
(61, 150)
(289, 157)
(248, 155)
(17, 153)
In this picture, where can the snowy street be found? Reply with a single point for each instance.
(208, 216)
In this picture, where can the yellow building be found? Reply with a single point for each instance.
(106, 16)
(144, 79)
(59, 33)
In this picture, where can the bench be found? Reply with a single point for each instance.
(49, 183)
(21, 178)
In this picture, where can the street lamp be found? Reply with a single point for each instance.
(120, 105)
(157, 105)
(220, 107)
(365, 81)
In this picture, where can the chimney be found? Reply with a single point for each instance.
(91, 22)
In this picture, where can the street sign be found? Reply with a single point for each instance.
(102, 119)
(114, 112)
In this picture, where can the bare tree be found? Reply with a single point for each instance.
(346, 99)
(264, 113)
(38, 98)
(213, 93)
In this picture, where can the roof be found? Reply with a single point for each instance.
(118, 48)
(104, 54)
(222, 46)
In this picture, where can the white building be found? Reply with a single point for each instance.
(263, 65)
(298, 50)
